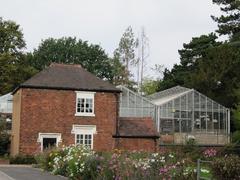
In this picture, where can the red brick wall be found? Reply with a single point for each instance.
(138, 144)
(53, 111)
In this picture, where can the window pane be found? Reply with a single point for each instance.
(89, 105)
(79, 139)
(88, 140)
(80, 105)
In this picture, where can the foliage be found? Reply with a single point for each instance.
(81, 162)
(236, 137)
(124, 56)
(195, 49)
(4, 137)
(126, 49)
(120, 75)
(70, 50)
(22, 159)
(12, 41)
(228, 149)
(227, 167)
(14, 67)
(13, 73)
(190, 55)
(190, 146)
(149, 86)
(209, 66)
(228, 23)
(218, 75)
(236, 118)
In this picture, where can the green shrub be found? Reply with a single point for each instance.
(4, 144)
(227, 167)
(230, 149)
(22, 159)
(236, 137)
(4, 137)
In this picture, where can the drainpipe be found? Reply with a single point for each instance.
(117, 113)
(117, 121)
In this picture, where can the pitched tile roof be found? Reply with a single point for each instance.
(137, 127)
(67, 77)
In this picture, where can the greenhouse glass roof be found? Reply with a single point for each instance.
(168, 94)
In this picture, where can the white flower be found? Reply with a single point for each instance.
(204, 170)
(171, 155)
(152, 160)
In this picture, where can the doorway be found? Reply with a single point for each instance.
(49, 143)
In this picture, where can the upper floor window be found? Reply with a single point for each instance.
(85, 103)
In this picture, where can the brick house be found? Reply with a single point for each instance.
(65, 104)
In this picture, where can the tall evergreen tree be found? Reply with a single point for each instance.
(229, 22)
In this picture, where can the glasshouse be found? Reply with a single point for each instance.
(180, 114)
(6, 103)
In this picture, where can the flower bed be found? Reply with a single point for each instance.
(79, 162)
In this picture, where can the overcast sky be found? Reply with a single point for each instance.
(168, 23)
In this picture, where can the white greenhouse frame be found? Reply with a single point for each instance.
(180, 112)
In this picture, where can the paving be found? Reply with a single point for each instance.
(13, 172)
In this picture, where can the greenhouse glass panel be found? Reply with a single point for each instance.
(177, 125)
(197, 120)
(170, 109)
(180, 110)
(209, 116)
(134, 105)
(196, 101)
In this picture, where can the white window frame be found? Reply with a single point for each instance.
(91, 145)
(85, 95)
(41, 136)
(84, 130)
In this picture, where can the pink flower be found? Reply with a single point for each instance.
(211, 152)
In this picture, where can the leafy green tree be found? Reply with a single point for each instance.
(11, 37)
(14, 67)
(69, 50)
(149, 86)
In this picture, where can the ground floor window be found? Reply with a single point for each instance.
(84, 134)
(49, 140)
(84, 139)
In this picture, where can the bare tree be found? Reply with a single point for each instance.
(143, 54)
